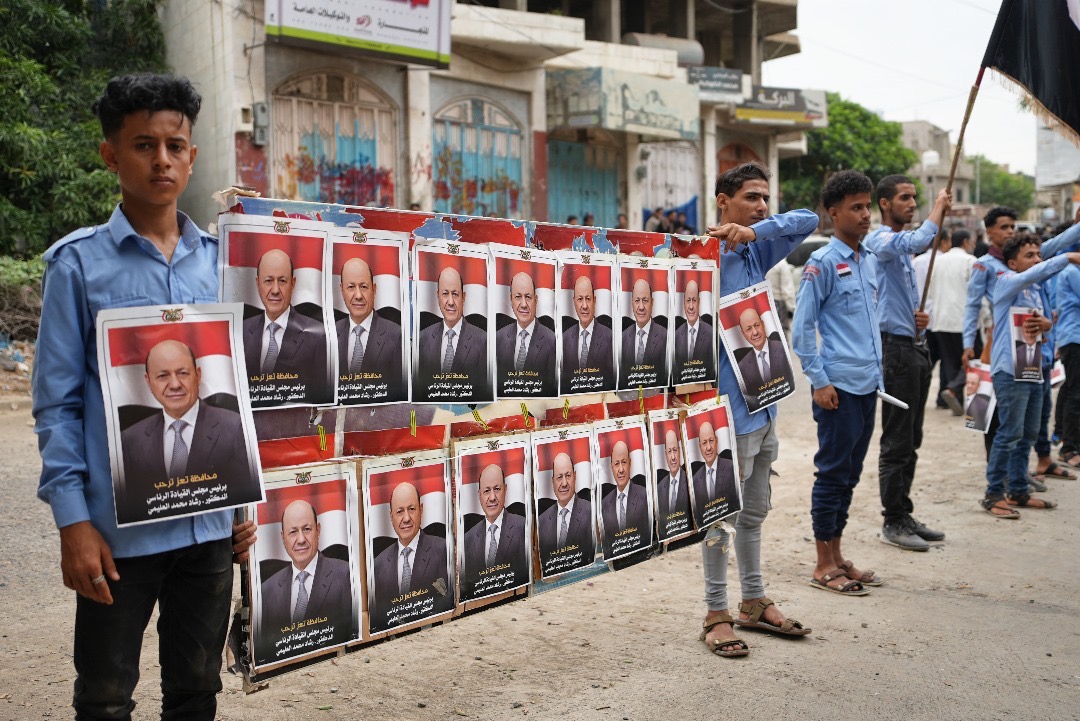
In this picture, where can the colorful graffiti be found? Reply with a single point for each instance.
(353, 177)
(497, 194)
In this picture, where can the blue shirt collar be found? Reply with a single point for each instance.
(120, 228)
(844, 249)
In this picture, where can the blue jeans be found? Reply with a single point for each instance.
(843, 439)
(1042, 443)
(192, 588)
(1019, 407)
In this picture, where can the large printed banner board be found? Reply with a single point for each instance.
(415, 31)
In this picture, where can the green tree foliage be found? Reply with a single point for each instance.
(998, 186)
(856, 139)
(55, 58)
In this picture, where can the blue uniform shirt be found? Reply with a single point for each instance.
(838, 299)
(1020, 290)
(743, 267)
(1068, 306)
(984, 274)
(108, 266)
(898, 290)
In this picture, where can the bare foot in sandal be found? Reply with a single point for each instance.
(770, 615)
(867, 577)
(721, 637)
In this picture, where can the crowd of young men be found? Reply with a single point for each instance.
(856, 330)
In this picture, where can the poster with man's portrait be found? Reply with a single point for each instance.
(523, 306)
(1027, 345)
(622, 479)
(279, 269)
(370, 276)
(563, 491)
(181, 436)
(672, 489)
(645, 314)
(585, 300)
(756, 346)
(304, 567)
(453, 357)
(712, 462)
(494, 519)
(979, 398)
(407, 526)
(695, 329)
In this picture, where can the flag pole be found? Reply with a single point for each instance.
(952, 174)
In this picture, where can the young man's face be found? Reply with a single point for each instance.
(851, 217)
(749, 204)
(1027, 258)
(153, 157)
(1001, 231)
(901, 208)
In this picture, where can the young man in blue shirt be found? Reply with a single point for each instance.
(906, 367)
(1019, 403)
(838, 300)
(742, 195)
(148, 253)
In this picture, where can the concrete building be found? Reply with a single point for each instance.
(1057, 176)
(548, 108)
(935, 152)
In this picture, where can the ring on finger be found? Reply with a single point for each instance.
(98, 579)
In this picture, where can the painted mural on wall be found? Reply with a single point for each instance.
(353, 177)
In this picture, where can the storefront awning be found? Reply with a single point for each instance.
(622, 101)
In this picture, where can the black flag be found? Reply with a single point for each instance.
(1036, 43)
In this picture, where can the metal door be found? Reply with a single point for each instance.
(583, 178)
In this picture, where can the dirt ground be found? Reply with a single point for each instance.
(981, 627)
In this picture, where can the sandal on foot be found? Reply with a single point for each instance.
(999, 508)
(1026, 500)
(1070, 458)
(851, 588)
(868, 578)
(1056, 471)
(756, 613)
(717, 645)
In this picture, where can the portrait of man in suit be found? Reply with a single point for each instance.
(525, 349)
(187, 437)
(672, 489)
(367, 342)
(587, 343)
(715, 479)
(644, 343)
(414, 562)
(626, 506)
(977, 403)
(453, 345)
(281, 339)
(693, 339)
(1029, 353)
(764, 362)
(312, 586)
(497, 540)
(568, 523)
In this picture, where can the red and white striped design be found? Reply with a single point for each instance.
(660, 424)
(632, 433)
(540, 267)
(327, 497)
(383, 253)
(245, 239)
(704, 279)
(471, 262)
(211, 342)
(599, 270)
(431, 482)
(720, 418)
(512, 461)
(658, 277)
(547, 445)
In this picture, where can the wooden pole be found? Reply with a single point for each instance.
(952, 174)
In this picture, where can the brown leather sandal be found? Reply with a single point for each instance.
(717, 645)
(1026, 500)
(851, 588)
(868, 578)
(756, 611)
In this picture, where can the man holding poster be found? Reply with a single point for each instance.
(742, 195)
(147, 253)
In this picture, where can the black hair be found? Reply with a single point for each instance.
(996, 212)
(570, 219)
(730, 181)
(959, 237)
(886, 187)
(842, 184)
(1014, 244)
(127, 94)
